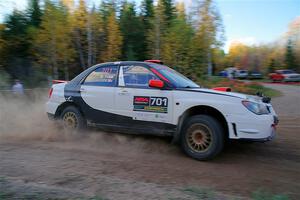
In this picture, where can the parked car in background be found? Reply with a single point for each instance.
(255, 75)
(241, 74)
(285, 75)
(223, 73)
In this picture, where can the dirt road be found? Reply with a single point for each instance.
(44, 163)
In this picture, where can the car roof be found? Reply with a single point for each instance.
(83, 74)
(122, 63)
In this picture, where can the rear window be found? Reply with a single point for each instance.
(102, 76)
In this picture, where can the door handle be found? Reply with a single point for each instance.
(123, 93)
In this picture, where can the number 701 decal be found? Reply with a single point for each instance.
(159, 101)
(150, 104)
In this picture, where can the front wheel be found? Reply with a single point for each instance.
(72, 120)
(202, 137)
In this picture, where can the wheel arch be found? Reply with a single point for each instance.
(201, 109)
(64, 105)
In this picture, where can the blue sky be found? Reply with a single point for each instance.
(257, 21)
(247, 21)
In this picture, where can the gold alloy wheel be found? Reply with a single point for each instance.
(199, 137)
(70, 120)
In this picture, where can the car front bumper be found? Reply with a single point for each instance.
(260, 128)
(266, 139)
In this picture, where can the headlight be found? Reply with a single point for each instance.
(256, 108)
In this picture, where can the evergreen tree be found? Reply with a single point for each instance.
(168, 10)
(131, 28)
(147, 13)
(209, 35)
(177, 42)
(146, 17)
(79, 21)
(16, 45)
(34, 13)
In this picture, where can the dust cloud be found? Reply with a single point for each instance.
(24, 118)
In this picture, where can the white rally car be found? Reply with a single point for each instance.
(149, 98)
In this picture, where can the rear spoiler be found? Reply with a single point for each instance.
(58, 81)
(222, 89)
(154, 61)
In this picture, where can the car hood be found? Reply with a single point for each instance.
(230, 94)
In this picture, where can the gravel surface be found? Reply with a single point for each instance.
(37, 161)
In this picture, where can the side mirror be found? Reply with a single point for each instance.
(156, 84)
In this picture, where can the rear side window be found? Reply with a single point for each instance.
(103, 76)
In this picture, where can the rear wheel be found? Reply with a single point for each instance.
(72, 119)
(202, 137)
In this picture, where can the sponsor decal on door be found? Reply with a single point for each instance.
(150, 104)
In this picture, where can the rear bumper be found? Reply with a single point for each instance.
(51, 116)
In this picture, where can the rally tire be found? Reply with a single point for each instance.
(202, 137)
(72, 120)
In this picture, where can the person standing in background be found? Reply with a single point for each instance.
(18, 88)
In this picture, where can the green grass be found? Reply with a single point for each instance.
(263, 195)
(264, 90)
(200, 193)
(2, 179)
(239, 86)
(6, 195)
(97, 198)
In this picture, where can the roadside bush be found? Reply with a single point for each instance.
(4, 80)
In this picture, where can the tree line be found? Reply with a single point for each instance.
(57, 39)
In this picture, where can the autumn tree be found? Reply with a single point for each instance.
(290, 60)
(114, 39)
(163, 15)
(53, 42)
(95, 33)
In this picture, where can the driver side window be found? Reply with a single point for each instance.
(135, 76)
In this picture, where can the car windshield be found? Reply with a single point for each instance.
(288, 72)
(177, 79)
